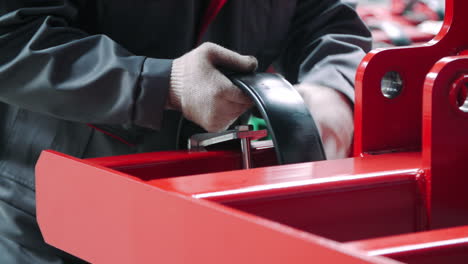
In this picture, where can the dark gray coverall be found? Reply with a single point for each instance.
(68, 63)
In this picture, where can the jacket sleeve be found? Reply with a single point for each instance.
(326, 43)
(48, 65)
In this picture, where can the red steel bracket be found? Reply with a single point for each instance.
(383, 124)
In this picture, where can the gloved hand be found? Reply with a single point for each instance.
(202, 93)
(333, 115)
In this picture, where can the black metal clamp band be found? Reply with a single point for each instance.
(292, 128)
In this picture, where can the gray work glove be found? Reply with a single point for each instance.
(202, 93)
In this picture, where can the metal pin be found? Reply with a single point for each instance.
(245, 147)
(244, 133)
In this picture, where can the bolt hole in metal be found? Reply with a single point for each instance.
(391, 84)
(461, 97)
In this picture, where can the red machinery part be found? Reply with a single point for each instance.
(105, 216)
(376, 17)
(402, 22)
(401, 198)
(426, 8)
(440, 246)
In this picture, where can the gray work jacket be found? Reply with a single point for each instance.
(68, 63)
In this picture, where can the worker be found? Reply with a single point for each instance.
(112, 77)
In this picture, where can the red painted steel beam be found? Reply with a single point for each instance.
(164, 164)
(105, 216)
(440, 246)
(296, 178)
(357, 198)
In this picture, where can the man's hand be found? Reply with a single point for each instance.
(333, 116)
(202, 93)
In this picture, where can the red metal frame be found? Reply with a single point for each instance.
(377, 207)
(379, 121)
(374, 15)
(106, 216)
(440, 246)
